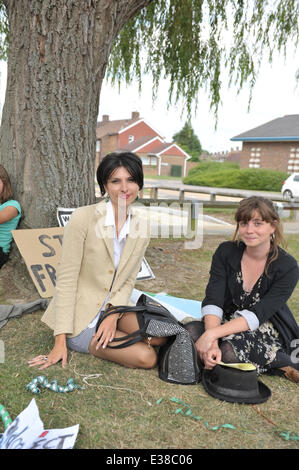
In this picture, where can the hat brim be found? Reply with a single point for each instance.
(264, 393)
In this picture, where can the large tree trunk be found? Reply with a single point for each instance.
(57, 60)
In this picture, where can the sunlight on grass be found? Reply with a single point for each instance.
(122, 408)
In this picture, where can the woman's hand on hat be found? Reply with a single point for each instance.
(212, 357)
(205, 341)
(208, 349)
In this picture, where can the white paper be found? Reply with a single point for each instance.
(179, 308)
(27, 432)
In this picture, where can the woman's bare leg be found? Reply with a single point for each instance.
(138, 355)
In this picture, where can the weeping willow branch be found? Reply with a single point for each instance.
(195, 43)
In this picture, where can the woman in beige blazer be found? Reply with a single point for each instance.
(103, 247)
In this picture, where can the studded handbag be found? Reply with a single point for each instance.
(177, 358)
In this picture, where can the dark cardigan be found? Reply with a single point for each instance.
(276, 287)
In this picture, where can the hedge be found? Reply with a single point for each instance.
(227, 175)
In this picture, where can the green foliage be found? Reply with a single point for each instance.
(191, 42)
(228, 175)
(4, 32)
(189, 141)
(213, 167)
(114, 409)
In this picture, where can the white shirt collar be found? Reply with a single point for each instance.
(110, 220)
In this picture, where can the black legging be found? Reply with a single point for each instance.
(197, 328)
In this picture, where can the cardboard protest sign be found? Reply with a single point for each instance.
(27, 432)
(41, 250)
(145, 272)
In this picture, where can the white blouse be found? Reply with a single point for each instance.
(118, 246)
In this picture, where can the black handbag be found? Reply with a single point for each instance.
(177, 358)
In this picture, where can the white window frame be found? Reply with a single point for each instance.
(146, 161)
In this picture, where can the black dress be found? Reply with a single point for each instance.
(277, 329)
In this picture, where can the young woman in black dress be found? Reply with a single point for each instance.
(246, 317)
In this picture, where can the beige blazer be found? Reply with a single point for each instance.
(86, 270)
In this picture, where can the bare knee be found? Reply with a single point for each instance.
(137, 356)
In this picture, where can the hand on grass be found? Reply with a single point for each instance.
(58, 353)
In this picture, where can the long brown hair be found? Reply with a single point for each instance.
(7, 190)
(269, 214)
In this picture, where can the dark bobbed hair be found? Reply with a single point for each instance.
(130, 161)
(7, 192)
(268, 213)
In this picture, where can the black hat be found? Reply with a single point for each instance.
(235, 383)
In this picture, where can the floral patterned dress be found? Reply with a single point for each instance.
(261, 345)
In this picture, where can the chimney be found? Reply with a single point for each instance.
(135, 115)
(105, 118)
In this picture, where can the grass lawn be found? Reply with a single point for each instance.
(118, 407)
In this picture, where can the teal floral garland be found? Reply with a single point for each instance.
(43, 382)
(185, 410)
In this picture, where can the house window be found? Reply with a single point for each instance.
(145, 160)
(98, 146)
(131, 139)
(153, 161)
(293, 160)
(255, 158)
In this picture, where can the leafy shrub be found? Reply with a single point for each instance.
(205, 166)
(228, 175)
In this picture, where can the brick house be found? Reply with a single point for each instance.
(273, 145)
(136, 135)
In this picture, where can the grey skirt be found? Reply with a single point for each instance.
(81, 342)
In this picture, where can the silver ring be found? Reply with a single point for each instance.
(44, 358)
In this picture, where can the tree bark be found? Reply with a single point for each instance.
(57, 60)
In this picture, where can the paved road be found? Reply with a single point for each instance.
(185, 187)
(211, 225)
